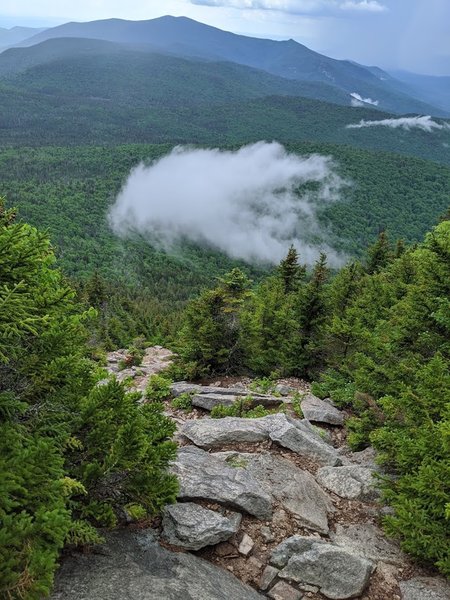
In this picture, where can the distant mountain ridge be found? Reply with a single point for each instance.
(16, 35)
(288, 59)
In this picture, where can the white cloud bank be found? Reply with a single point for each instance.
(364, 5)
(298, 7)
(424, 123)
(358, 100)
(244, 202)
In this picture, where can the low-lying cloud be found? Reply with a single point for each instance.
(424, 123)
(246, 203)
(358, 100)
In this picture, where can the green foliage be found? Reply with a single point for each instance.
(158, 388)
(136, 512)
(335, 385)
(296, 405)
(398, 362)
(210, 338)
(72, 454)
(183, 402)
(263, 385)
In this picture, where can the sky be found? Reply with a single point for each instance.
(413, 35)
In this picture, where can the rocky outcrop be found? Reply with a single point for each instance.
(133, 566)
(425, 588)
(352, 481)
(294, 489)
(214, 433)
(366, 539)
(193, 527)
(293, 434)
(337, 573)
(299, 437)
(321, 411)
(208, 396)
(205, 477)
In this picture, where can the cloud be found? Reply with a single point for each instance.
(358, 100)
(244, 203)
(297, 7)
(364, 6)
(424, 123)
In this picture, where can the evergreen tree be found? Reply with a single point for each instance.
(210, 339)
(72, 455)
(312, 320)
(291, 272)
(379, 254)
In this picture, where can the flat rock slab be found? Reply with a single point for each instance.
(296, 490)
(208, 401)
(368, 540)
(352, 481)
(205, 477)
(425, 588)
(213, 433)
(337, 573)
(132, 566)
(298, 436)
(321, 411)
(191, 526)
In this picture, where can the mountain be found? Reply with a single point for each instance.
(428, 88)
(16, 35)
(98, 68)
(76, 92)
(288, 59)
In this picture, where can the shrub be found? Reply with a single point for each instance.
(158, 388)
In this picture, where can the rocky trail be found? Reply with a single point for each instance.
(276, 506)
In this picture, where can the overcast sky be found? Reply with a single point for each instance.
(408, 34)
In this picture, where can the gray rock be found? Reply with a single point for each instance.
(267, 534)
(268, 576)
(315, 409)
(296, 544)
(351, 481)
(363, 458)
(337, 573)
(299, 437)
(209, 401)
(296, 490)
(191, 526)
(212, 433)
(425, 588)
(132, 566)
(368, 540)
(284, 591)
(183, 387)
(246, 545)
(283, 389)
(203, 476)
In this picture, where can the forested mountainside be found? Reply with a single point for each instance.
(68, 191)
(95, 92)
(185, 37)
